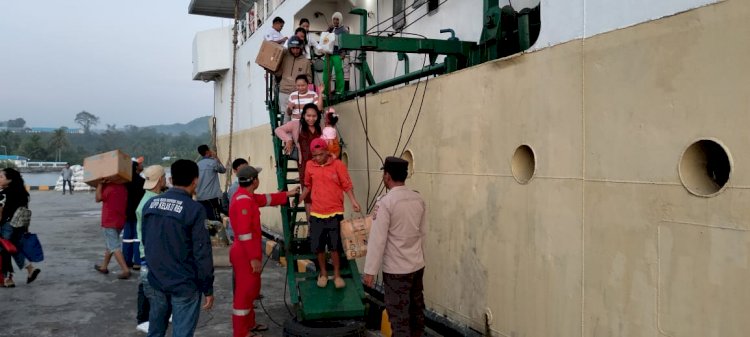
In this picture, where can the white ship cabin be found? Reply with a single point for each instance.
(212, 50)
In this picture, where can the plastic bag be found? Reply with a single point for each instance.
(327, 43)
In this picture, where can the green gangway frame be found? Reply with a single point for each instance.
(309, 301)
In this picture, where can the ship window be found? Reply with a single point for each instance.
(431, 4)
(523, 164)
(705, 167)
(399, 15)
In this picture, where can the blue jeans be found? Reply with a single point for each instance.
(14, 236)
(185, 312)
(130, 244)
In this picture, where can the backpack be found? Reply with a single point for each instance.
(21, 218)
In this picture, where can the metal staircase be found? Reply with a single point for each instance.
(309, 301)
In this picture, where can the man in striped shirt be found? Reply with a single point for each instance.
(299, 98)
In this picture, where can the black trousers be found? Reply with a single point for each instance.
(213, 208)
(70, 186)
(404, 300)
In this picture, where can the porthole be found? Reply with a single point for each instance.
(408, 155)
(523, 164)
(345, 158)
(705, 167)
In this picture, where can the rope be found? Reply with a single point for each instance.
(234, 81)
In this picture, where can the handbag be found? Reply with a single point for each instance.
(21, 218)
(354, 234)
(31, 247)
(294, 154)
(8, 246)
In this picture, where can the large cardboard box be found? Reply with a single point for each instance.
(115, 166)
(270, 55)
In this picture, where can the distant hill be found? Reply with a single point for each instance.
(194, 127)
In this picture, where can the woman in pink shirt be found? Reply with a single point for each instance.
(300, 133)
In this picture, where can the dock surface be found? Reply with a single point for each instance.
(71, 299)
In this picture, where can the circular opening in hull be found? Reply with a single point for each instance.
(409, 156)
(705, 167)
(345, 158)
(523, 164)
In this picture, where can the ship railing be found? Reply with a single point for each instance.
(255, 17)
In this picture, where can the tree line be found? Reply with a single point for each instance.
(136, 141)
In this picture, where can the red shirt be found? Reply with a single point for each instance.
(114, 205)
(244, 215)
(328, 182)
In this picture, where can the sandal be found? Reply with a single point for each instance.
(99, 269)
(33, 275)
(123, 276)
(339, 283)
(9, 282)
(259, 327)
(322, 281)
(254, 334)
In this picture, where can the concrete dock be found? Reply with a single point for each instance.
(71, 299)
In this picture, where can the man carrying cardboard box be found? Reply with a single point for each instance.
(114, 199)
(274, 34)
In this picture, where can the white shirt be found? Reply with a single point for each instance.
(273, 35)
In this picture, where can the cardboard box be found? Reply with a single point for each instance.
(270, 55)
(354, 234)
(115, 166)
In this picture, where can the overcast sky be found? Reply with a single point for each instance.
(128, 62)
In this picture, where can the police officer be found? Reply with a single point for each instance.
(396, 243)
(246, 254)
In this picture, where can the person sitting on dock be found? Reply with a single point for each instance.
(274, 34)
(246, 252)
(300, 98)
(328, 179)
(292, 65)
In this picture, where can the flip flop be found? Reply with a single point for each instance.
(259, 327)
(33, 275)
(99, 269)
(123, 276)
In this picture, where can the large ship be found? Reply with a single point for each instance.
(583, 166)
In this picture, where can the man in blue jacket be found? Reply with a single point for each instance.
(178, 253)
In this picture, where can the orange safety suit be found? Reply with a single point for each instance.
(244, 215)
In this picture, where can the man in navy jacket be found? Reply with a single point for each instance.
(178, 251)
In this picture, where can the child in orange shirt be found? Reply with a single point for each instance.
(330, 135)
(328, 179)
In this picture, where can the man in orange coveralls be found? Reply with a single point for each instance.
(246, 252)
